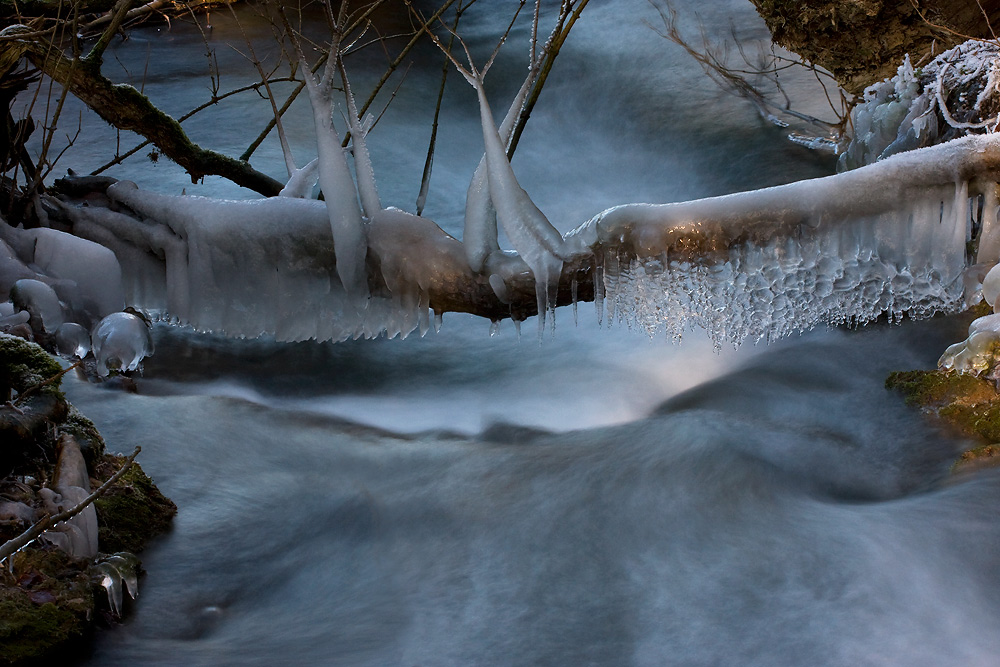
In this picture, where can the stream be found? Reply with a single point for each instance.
(591, 498)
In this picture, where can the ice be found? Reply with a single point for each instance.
(888, 238)
(117, 569)
(480, 232)
(41, 302)
(918, 108)
(121, 341)
(536, 241)
(339, 190)
(12, 268)
(367, 190)
(301, 181)
(991, 285)
(72, 340)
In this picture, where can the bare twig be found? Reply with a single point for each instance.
(44, 383)
(13, 545)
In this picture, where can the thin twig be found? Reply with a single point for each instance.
(13, 545)
(44, 383)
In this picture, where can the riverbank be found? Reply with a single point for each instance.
(53, 592)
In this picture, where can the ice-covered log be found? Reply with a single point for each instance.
(887, 238)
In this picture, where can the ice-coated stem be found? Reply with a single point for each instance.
(350, 245)
(532, 235)
(362, 160)
(480, 234)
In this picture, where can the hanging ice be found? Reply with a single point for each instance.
(72, 340)
(888, 238)
(121, 341)
(86, 275)
(536, 241)
(40, 301)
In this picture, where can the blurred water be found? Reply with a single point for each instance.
(596, 498)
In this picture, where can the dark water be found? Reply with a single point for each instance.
(594, 499)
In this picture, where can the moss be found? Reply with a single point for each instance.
(133, 511)
(966, 402)
(45, 607)
(91, 443)
(24, 364)
(934, 389)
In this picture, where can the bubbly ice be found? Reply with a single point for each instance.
(889, 238)
(121, 341)
(72, 340)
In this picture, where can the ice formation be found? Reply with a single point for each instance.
(480, 232)
(41, 303)
(72, 340)
(537, 242)
(888, 238)
(956, 93)
(77, 535)
(121, 341)
(337, 184)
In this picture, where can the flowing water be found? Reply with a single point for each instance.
(593, 498)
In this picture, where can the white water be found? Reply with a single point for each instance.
(396, 502)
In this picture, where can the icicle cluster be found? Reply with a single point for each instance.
(908, 263)
(955, 94)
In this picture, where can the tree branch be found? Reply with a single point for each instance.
(126, 108)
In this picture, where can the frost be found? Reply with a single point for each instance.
(956, 93)
(121, 341)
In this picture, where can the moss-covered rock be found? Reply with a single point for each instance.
(967, 403)
(45, 609)
(23, 365)
(133, 511)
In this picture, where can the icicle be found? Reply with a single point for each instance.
(438, 321)
(480, 234)
(362, 160)
(989, 234)
(494, 328)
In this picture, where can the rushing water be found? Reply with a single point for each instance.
(596, 498)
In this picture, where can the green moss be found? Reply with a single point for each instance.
(131, 512)
(934, 389)
(966, 402)
(91, 443)
(45, 606)
(24, 364)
